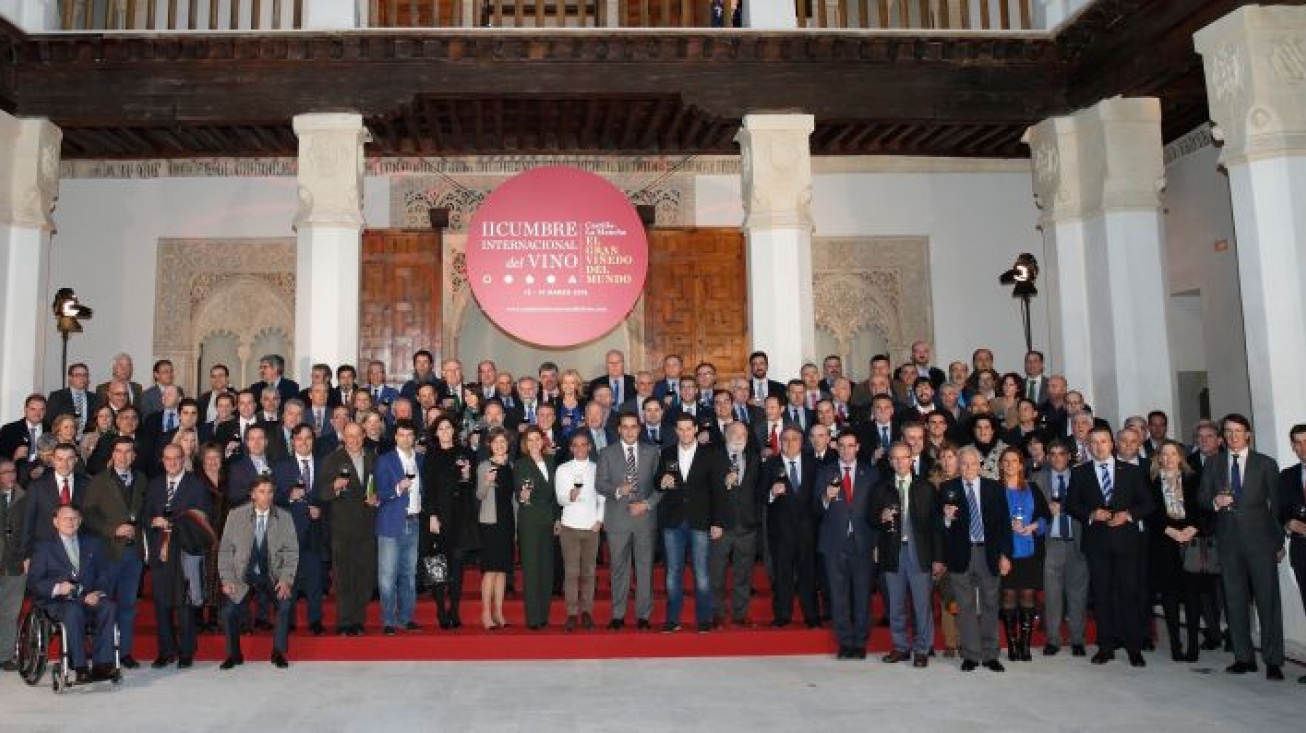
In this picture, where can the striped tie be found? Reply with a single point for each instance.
(976, 521)
(1107, 488)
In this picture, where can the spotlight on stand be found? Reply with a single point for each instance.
(1022, 277)
(68, 313)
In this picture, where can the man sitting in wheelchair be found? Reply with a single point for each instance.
(67, 580)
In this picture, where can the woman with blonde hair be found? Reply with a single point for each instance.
(571, 404)
(946, 468)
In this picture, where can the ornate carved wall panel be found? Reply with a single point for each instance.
(400, 303)
(696, 300)
(233, 296)
(871, 293)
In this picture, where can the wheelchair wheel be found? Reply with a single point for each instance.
(33, 647)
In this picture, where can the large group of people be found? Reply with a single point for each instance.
(979, 500)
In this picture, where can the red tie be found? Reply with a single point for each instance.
(65, 494)
(775, 439)
(847, 485)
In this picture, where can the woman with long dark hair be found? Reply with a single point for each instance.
(1029, 516)
(449, 511)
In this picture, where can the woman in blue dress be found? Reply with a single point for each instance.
(1029, 516)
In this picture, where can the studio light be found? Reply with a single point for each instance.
(68, 315)
(1022, 277)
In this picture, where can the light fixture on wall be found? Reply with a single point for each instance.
(68, 315)
(1022, 277)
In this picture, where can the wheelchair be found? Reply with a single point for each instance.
(37, 633)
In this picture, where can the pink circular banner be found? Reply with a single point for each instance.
(557, 256)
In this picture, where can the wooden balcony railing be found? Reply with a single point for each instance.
(545, 13)
(177, 15)
(1002, 15)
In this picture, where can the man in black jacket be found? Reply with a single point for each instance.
(738, 502)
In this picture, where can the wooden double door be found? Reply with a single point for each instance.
(695, 298)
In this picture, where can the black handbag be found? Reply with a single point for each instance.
(436, 567)
(1201, 557)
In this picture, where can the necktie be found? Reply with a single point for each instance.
(1063, 521)
(976, 521)
(1236, 479)
(740, 415)
(169, 421)
(79, 405)
(1107, 488)
(1031, 387)
(172, 494)
(65, 493)
(759, 389)
(847, 484)
(884, 436)
(260, 529)
(630, 461)
(74, 554)
(35, 433)
(793, 475)
(530, 413)
(306, 472)
(774, 442)
(318, 418)
(616, 391)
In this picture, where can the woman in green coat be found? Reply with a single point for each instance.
(537, 523)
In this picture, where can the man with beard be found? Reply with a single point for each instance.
(343, 484)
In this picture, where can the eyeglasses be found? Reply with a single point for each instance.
(117, 394)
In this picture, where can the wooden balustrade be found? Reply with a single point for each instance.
(544, 13)
(163, 15)
(1002, 15)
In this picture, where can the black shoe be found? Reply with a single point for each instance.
(1301, 680)
(388, 631)
(843, 653)
(1178, 655)
(970, 665)
(813, 624)
(570, 626)
(705, 627)
(1273, 673)
(101, 672)
(920, 661)
(230, 662)
(262, 625)
(586, 621)
(617, 624)
(279, 660)
(1103, 656)
(1078, 650)
(1211, 645)
(456, 622)
(1051, 650)
(994, 666)
(162, 661)
(895, 656)
(317, 629)
(1136, 659)
(1149, 646)
(1191, 656)
(1241, 668)
(859, 652)
(670, 627)
(779, 623)
(412, 626)
(343, 630)
(128, 662)
(83, 676)
(643, 624)
(185, 662)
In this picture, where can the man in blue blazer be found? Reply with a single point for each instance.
(844, 501)
(399, 491)
(67, 580)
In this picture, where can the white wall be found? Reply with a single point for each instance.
(1198, 214)
(977, 224)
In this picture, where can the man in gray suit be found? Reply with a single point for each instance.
(258, 557)
(1242, 485)
(13, 581)
(625, 479)
(1065, 571)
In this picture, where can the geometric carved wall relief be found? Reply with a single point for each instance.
(871, 293)
(231, 300)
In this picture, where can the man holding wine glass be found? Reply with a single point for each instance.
(399, 497)
(582, 518)
(342, 483)
(624, 477)
(910, 556)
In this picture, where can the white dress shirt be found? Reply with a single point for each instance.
(588, 507)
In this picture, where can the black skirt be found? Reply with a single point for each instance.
(1026, 573)
(496, 547)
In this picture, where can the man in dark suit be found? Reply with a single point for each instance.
(120, 370)
(1036, 383)
(796, 412)
(738, 514)
(320, 375)
(667, 389)
(112, 510)
(595, 426)
(910, 555)
(295, 476)
(744, 409)
(152, 399)
(383, 394)
(977, 549)
(655, 429)
(342, 483)
(844, 499)
(174, 500)
(67, 580)
(219, 383)
(13, 578)
(1065, 570)
(689, 474)
(54, 489)
(761, 386)
(76, 399)
(272, 368)
(622, 384)
(768, 429)
(920, 358)
(253, 462)
(789, 477)
(18, 438)
(1292, 509)
(1110, 498)
(878, 433)
(1243, 486)
(423, 373)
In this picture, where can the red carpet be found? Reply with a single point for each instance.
(472, 642)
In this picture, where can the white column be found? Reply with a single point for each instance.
(772, 15)
(29, 185)
(1255, 69)
(777, 187)
(331, 15)
(329, 224)
(1098, 176)
(1049, 14)
(33, 16)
